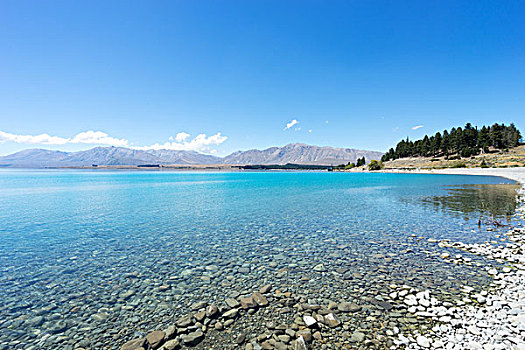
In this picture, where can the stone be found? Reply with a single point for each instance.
(306, 334)
(164, 288)
(57, 327)
(348, 307)
(127, 294)
(358, 337)
(211, 311)
(300, 344)
(135, 344)
(319, 268)
(385, 305)
(232, 303)
(36, 321)
(266, 345)
(423, 341)
(248, 303)
(155, 339)
(171, 345)
(285, 338)
(331, 321)
(309, 321)
(100, 316)
(280, 346)
(199, 305)
(193, 338)
(231, 313)
(199, 316)
(260, 299)
(171, 332)
(266, 288)
(241, 338)
(184, 321)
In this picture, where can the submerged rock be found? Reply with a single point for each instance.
(348, 307)
(155, 339)
(193, 338)
(135, 344)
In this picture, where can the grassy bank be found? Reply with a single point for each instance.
(514, 157)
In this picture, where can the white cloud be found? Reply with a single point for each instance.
(310, 130)
(98, 138)
(181, 142)
(182, 136)
(417, 127)
(290, 124)
(86, 137)
(200, 143)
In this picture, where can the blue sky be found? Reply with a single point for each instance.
(357, 74)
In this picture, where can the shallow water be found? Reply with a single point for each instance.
(74, 243)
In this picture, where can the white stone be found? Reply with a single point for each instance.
(423, 341)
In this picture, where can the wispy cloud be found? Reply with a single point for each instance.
(200, 143)
(86, 137)
(291, 124)
(417, 127)
(181, 142)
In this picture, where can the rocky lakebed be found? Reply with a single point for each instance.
(280, 288)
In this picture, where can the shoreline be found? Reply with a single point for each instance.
(515, 173)
(496, 320)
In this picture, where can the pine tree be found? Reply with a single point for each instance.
(465, 142)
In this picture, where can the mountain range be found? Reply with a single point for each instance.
(296, 153)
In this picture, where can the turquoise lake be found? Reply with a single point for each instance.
(89, 255)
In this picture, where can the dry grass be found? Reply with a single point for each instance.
(513, 158)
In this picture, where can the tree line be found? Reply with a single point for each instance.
(461, 142)
(350, 165)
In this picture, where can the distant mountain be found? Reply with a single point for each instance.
(40, 158)
(299, 153)
(33, 158)
(185, 157)
(296, 153)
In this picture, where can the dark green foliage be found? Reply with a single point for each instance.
(360, 161)
(458, 142)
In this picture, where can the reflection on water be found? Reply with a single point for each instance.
(497, 201)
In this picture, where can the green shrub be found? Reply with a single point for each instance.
(375, 165)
